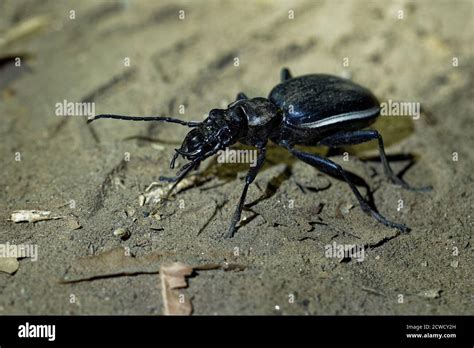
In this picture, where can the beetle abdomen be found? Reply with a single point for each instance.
(324, 101)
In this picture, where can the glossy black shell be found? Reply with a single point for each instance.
(318, 105)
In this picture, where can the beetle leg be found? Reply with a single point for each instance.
(285, 74)
(241, 96)
(168, 178)
(329, 167)
(251, 175)
(362, 136)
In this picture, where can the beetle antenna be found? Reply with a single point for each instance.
(152, 118)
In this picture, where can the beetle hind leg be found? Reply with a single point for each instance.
(329, 167)
(362, 136)
(285, 74)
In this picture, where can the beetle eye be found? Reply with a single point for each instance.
(216, 113)
(195, 140)
(192, 141)
(238, 114)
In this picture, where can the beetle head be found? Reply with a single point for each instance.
(224, 127)
(218, 131)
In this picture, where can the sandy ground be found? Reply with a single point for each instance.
(93, 175)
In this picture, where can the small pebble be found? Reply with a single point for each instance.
(130, 211)
(432, 293)
(73, 224)
(122, 232)
(454, 264)
(346, 208)
(158, 147)
(9, 265)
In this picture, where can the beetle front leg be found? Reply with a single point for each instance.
(329, 167)
(362, 136)
(251, 175)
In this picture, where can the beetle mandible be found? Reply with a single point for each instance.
(316, 109)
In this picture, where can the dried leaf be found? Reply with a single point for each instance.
(9, 265)
(207, 267)
(115, 262)
(172, 278)
(175, 274)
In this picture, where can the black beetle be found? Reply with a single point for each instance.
(313, 109)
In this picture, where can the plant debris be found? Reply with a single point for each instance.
(32, 216)
(158, 194)
(24, 29)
